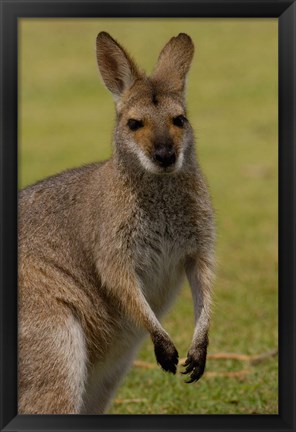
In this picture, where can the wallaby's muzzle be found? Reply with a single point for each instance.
(164, 156)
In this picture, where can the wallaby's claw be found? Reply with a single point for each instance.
(166, 355)
(195, 366)
(168, 361)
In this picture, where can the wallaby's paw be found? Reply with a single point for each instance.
(195, 364)
(166, 354)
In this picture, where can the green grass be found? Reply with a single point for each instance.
(66, 119)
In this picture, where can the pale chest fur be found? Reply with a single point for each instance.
(161, 273)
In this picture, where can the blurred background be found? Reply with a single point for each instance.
(66, 117)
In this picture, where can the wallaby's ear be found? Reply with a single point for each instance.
(174, 62)
(117, 69)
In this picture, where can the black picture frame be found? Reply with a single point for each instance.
(285, 11)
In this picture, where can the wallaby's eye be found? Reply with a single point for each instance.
(135, 124)
(179, 121)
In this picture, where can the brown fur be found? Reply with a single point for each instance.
(103, 248)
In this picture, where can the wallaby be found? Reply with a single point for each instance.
(103, 249)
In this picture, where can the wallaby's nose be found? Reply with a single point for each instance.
(165, 156)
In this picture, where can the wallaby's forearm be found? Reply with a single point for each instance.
(125, 287)
(200, 274)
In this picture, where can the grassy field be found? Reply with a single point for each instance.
(66, 118)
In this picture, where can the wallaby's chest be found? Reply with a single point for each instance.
(165, 228)
(161, 270)
(162, 238)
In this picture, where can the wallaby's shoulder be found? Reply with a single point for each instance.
(74, 178)
(57, 204)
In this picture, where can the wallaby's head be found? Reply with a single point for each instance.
(152, 128)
